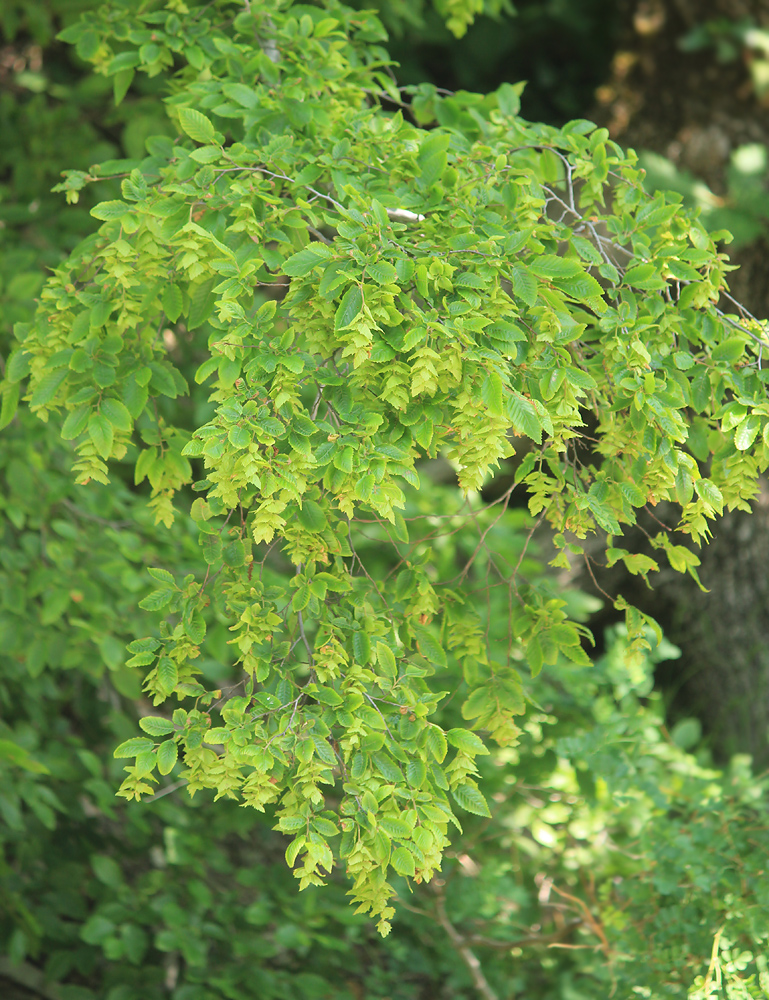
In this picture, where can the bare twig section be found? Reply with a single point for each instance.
(461, 944)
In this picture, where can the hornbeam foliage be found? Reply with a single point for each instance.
(372, 277)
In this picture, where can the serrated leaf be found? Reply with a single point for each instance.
(746, 432)
(196, 125)
(710, 493)
(491, 393)
(349, 307)
(172, 302)
(117, 413)
(395, 827)
(471, 800)
(133, 747)
(581, 287)
(47, 387)
(10, 394)
(388, 768)
(524, 284)
(212, 547)
(245, 96)
(234, 553)
(551, 266)
(416, 773)
(437, 744)
(156, 726)
(729, 350)
(146, 645)
(161, 575)
(156, 600)
(239, 437)
(633, 494)
(107, 210)
(324, 826)
(195, 628)
(101, 433)
(386, 659)
(403, 861)
(312, 516)
(167, 754)
(17, 367)
(76, 422)
(382, 272)
(293, 850)
(466, 741)
(168, 675)
(303, 262)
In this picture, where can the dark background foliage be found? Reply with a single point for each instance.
(169, 898)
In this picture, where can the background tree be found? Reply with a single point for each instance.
(591, 772)
(688, 89)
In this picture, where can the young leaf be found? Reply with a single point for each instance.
(196, 125)
(168, 751)
(156, 726)
(471, 800)
(349, 307)
(133, 747)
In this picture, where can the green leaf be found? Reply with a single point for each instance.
(108, 210)
(466, 741)
(416, 773)
(387, 767)
(303, 262)
(429, 646)
(361, 647)
(729, 350)
(241, 94)
(156, 726)
(121, 81)
(101, 433)
(552, 266)
(491, 393)
(524, 284)
(403, 861)
(644, 276)
(168, 752)
(168, 676)
(196, 125)
(382, 272)
(76, 422)
(117, 413)
(471, 800)
(349, 307)
(133, 747)
(436, 743)
(746, 432)
(47, 387)
(386, 659)
(710, 493)
(195, 628)
(10, 394)
(312, 516)
(18, 366)
(172, 302)
(239, 437)
(212, 547)
(234, 553)
(156, 600)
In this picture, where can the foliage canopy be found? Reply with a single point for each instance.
(371, 282)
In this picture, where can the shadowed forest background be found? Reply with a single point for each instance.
(171, 899)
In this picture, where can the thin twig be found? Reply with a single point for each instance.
(460, 943)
